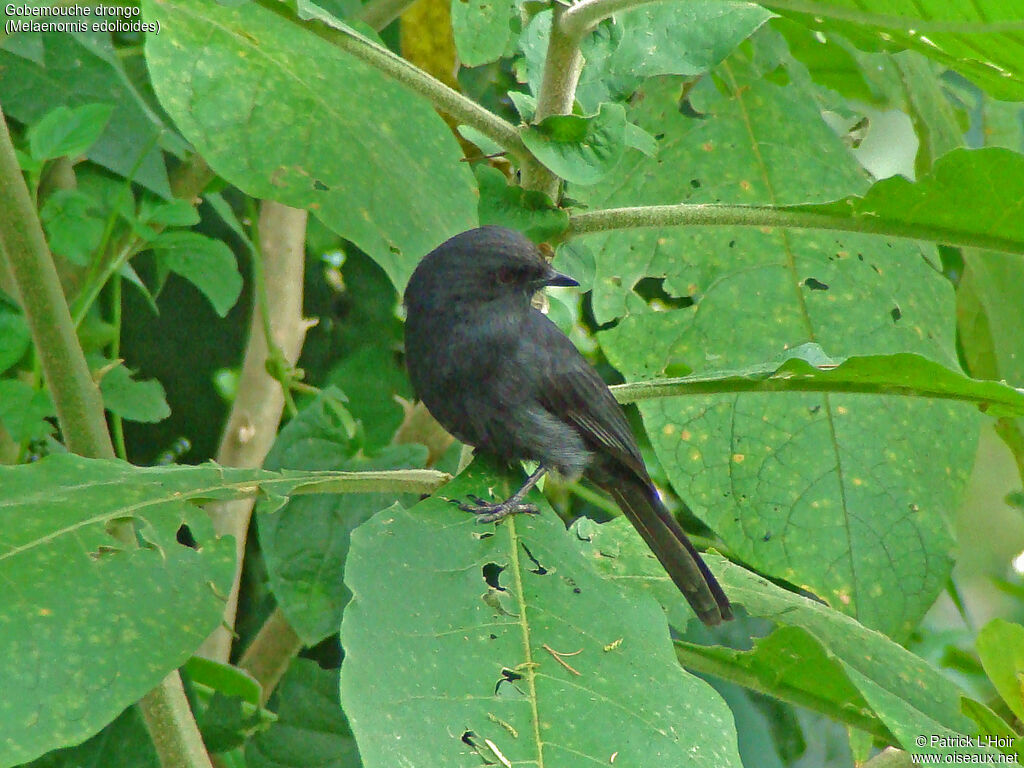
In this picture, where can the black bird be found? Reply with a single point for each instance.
(500, 376)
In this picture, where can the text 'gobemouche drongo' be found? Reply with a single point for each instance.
(500, 376)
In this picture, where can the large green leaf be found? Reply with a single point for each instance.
(846, 495)
(454, 638)
(816, 656)
(284, 115)
(978, 38)
(970, 194)
(91, 625)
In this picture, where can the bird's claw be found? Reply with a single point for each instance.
(487, 512)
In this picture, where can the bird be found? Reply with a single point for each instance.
(500, 376)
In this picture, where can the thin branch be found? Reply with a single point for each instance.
(562, 66)
(256, 413)
(172, 726)
(23, 248)
(767, 216)
(271, 651)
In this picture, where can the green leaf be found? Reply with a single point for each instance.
(206, 263)
(375, 163)
(173, 213)
(24, 410)
(142, 401)
(311, 729)
(1001, 649)
(761, 468)
(14, 336)
(223, 678)
(90, 624)
(582, 150)
(74, 222)
(453, 638)
(991, 325)
(681, 38)
(124, 742)
(306, 542)
(971, 196)
(977, 39)
(53, 69)
(482, 29)
(816, 656)
(68, 132)
(808, 369)
(527, 211)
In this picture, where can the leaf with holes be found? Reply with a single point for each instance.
(499, 643)
(846, 495)
(91, 625)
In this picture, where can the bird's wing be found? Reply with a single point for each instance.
(572, 391)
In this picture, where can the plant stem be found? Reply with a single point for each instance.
(276, 323)
(271, 651)
(76, 396)
(768, 216)
(708, 660)
(562, 66)
(172, 726)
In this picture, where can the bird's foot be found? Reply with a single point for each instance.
(491, 512)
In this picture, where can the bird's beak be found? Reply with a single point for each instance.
(557, 278)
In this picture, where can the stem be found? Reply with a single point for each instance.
(271, 651)
(705, 660)
(276, 323)
(562, 66)
(768, 216)
(23, 248)
(648, 390)
(172, 726)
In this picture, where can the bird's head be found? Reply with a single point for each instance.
(481, 266)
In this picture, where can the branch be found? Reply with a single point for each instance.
(271, 651)
(256, 413)
(562, 66)
(767, 216)
(23, 248)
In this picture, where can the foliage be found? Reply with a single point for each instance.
(813, 351)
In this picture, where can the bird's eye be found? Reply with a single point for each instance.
(506, 275)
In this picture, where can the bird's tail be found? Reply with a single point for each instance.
(674, 549)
